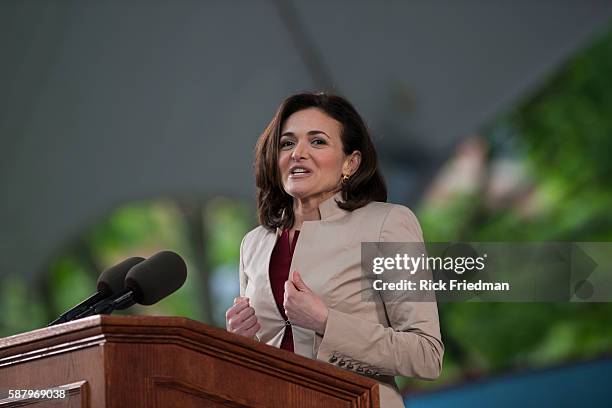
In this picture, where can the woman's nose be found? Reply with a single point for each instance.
(300, 151)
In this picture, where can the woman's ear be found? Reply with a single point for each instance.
(352, 162)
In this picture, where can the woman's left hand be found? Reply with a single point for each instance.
(303, 307)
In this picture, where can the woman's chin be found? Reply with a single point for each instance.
(297, 193)
(298, 189)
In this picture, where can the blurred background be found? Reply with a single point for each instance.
(128, 127)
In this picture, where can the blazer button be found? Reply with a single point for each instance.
(369, 372)
(359, 370)
(349, 366)
(287, 323)
(333, 359)
(341, 363)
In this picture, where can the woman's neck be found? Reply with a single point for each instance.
(308, 209)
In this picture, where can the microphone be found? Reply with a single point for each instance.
(110, 281)
(146, 283)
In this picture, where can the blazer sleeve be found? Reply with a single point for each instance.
(410, 343)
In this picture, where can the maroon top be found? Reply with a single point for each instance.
(280, 262)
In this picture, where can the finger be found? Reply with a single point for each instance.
(288, 296)
(240, 306)
(289, 287)
(248, 323)
(245, 314)
(231, 325)
(247, 326)
(298, 282)
(240, 299)
(229, 313)
(237, 308)
(234, 312)
(252, 331)
(295, 276)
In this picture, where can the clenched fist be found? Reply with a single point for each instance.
(241, 319)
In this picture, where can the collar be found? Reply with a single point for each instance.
(327, 208)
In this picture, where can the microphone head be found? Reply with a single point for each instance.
(112, 280)
(157, 277)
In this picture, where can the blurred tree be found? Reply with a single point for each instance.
(562, 136)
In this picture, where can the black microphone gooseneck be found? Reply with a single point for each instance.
(111, 281)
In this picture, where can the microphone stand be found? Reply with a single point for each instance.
(80, 308)
(121, 300)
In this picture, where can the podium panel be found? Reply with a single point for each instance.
(146, 361)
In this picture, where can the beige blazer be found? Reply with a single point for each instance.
(376, 339)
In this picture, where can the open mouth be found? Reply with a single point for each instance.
(299, 172)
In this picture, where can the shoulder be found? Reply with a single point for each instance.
(395, 221)
(385, 211)
(252, 238)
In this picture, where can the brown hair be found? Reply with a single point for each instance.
(364, 186)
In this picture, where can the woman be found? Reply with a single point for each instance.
(319, 196)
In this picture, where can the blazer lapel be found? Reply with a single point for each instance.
(311, 244)
(266, 308)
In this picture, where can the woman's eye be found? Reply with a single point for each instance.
(286, 143)
(319, 141)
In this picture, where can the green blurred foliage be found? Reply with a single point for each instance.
(20, 312)
(562, 134)
(70, 283)
(227, 223)
(138, 228)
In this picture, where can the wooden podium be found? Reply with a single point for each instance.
(143, 361)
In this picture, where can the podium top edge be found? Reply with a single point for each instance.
(103, 329)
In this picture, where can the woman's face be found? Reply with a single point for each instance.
(311, 158)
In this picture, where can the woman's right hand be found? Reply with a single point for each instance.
(241, 319)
